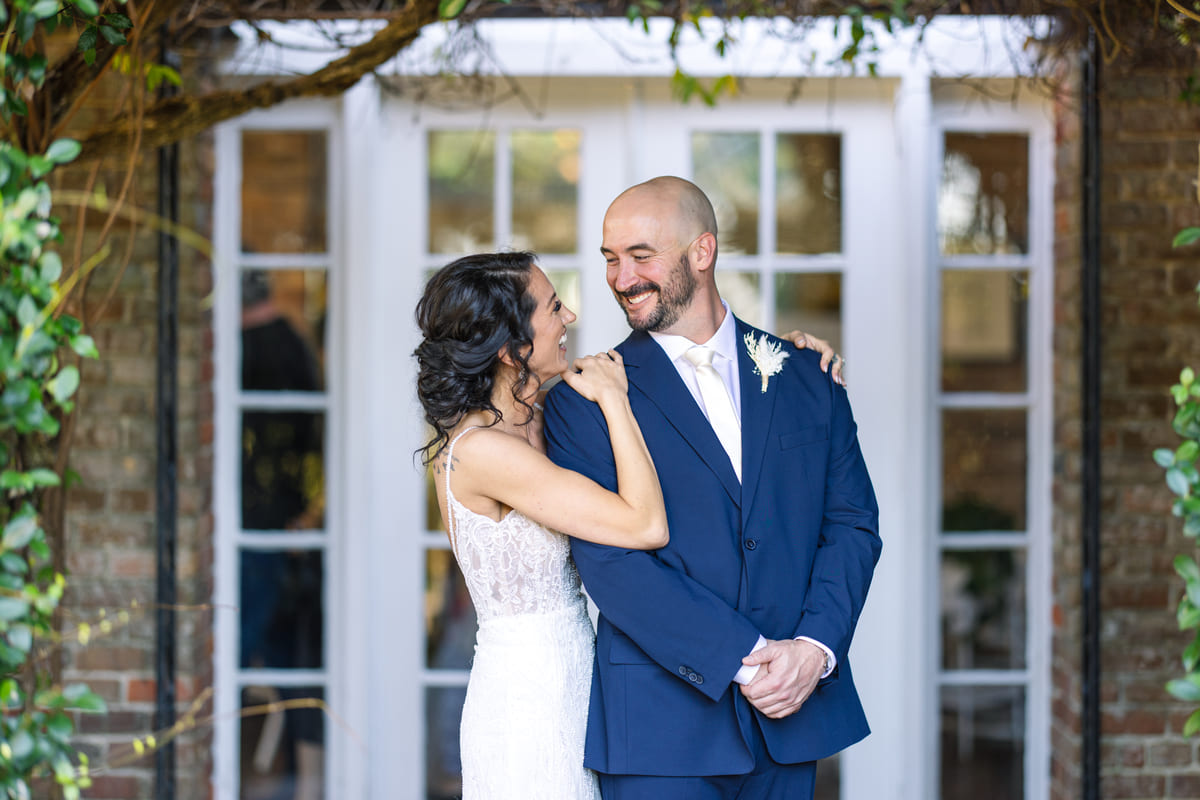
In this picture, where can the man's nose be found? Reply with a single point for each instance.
(623, 275)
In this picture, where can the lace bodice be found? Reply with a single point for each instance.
(514, 566)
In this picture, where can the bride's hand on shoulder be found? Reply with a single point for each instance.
(600, 377)
(822, 348)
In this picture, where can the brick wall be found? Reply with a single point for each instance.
(1150, 329)
(110, 521)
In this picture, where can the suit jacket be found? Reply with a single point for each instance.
(788, 552)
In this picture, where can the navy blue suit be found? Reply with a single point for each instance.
(788, 552)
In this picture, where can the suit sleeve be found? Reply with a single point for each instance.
(849, 544)
(676, 621)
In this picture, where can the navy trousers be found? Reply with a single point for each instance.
(769, 780)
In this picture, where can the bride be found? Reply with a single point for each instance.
(494, 331)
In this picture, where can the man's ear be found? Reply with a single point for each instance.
(703, 252)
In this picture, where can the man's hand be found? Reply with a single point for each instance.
(788, 672)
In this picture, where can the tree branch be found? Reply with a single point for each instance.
(180, 117)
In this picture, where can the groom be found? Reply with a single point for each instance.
(721, 667)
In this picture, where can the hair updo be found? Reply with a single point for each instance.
(472, 309)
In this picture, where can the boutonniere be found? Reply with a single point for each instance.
(768, 357)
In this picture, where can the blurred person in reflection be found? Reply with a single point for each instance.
(721, 657)
(493, 332)
(282, 615)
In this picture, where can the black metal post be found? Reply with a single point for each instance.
(1090, 380)
(166, 404)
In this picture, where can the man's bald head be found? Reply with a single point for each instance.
(692, 212)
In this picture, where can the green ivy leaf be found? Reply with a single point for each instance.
(12, 608)
(1191, 654)
(63, 150)
(50, 266)
(59, 727)
(1164, 457)
(64, 384)
(1185, 689)
(1177, 482)
(27, 311)
(13, 479)
(88, 7)
(20, 529)
(1193, 723)
(21, 744)
(1186, 567)
(85, 346)
(112, 35)
(1185, 237)
(87, 39)
(26, 25)
(1187, 452)
(44, 477)
(1188, 616)
(44, 8)
(449, 9)
(21, 637)
(13, 564)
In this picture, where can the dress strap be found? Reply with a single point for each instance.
(449, 494)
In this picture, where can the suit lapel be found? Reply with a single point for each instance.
(757, 408)
(655, 376)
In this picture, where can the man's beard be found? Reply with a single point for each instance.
(673, 299)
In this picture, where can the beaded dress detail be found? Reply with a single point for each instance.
(525, 715)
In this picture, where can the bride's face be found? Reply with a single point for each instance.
(549, 322)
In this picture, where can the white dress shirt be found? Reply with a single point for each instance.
(724, 345)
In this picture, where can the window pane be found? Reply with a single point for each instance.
(829, 779)
(283, 330)
(433, 512)
(281, 609)
(983, 470)
(983, 201)
(443, 765)
(726, 166)
(743, 292)
(545, 202)
(808, 193)
(810, 302)
(449, 616)
(983, 609)
(282, 749)
(461, 181)
(984, 323)
(283, 475)
(983, 743)
(284, 176)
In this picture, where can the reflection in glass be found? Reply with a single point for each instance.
(566, 284)
(983, 609)
(743, 292)
(433, 512)
(461, 181)
(983, 742)
(284, 177)
(984, 314)
(283, 470)
(983, 470)
(809, 302)
(808, 193)
(983, 200)
(443, 763)
(283, 330)
(281, 609)
(545, 190)
(726, 166)
(283, 749)
(449, 616)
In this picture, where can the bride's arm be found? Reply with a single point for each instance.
(634, 517)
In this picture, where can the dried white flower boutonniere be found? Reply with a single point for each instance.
(768, 357)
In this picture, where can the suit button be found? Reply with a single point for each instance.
(699, 679)
(692, 677)
(751, 544)
(683, 670)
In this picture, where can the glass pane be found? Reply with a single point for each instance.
(282, 748)
(433, 512)
(449, 616)
(808, 193)
(281, 609)
(810, 302)
(984, 342)
(545, 199)
(743, 292)
(443, 765)
(461, 181)
(983, 201)
(566, 283)
(983, 470)
(283, 470)
(725, 166)
(283, 330)
(284, 177)
(983, 609)
(983, 743)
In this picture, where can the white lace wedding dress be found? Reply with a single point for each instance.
(526, 710)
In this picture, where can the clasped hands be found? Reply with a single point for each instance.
(788, 672)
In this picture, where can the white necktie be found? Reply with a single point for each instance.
(718, 404)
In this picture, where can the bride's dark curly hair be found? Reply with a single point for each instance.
(471, 310)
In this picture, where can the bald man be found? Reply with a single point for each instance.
(721, 667)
